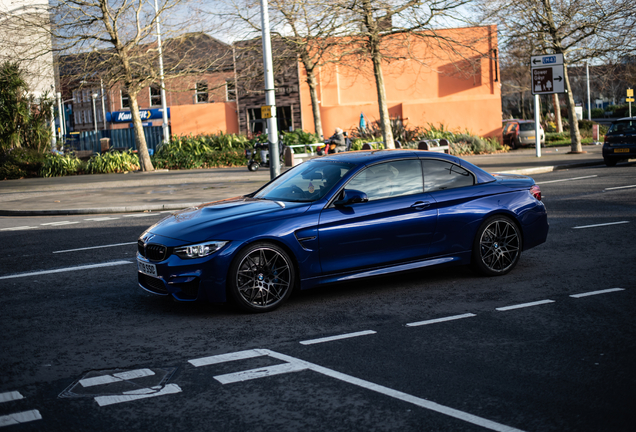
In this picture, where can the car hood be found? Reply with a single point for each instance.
(212, 219)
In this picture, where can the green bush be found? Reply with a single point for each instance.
(19, 163)
(212, 159)
(57, 165)
(113, 163)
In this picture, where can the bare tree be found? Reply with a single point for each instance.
(116, 41)
(308, 28)
(580, 30)
(376, 27)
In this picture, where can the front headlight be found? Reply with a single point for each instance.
(199, 250)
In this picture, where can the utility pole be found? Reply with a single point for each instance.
(589, 103)
(164, 107)
(101, 83)
(268, 66)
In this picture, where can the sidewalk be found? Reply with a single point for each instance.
(175, 190)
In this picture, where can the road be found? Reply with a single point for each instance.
(549, 347)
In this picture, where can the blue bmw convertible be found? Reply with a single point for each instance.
(339, 218)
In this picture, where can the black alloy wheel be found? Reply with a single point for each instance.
(261, 277)
(497, 246)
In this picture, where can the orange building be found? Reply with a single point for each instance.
(426, 82)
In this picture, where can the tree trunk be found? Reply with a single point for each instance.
(557, 113)
(385, 121)
(311, 80)
(140, 138)
(575, 135)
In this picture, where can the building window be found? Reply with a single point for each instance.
(125, 99)
(201, 92)
(230, 91)
(86, 95)
(155, 95)
(77, 96)
(99, 115)
(77, 117)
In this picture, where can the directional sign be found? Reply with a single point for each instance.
(548, 80)
(630, 92)
(546, 60)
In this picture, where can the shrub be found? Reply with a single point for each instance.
(19, 163)
(57, 165)
(113, 163)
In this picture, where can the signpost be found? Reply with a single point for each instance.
(630, 99)
(548, 77)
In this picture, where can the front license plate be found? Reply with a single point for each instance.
(149, 269)
(623, 150)
(531, 138)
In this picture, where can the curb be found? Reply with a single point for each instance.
(100, 210)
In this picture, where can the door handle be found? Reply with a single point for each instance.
(421, 205)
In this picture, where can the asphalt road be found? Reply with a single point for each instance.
(84, 348)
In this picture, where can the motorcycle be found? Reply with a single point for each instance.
(262, 149)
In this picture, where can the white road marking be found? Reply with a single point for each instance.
(20, 228)
(121, 376)
(295, 365)
(18, 418)
(568, 179)
(591, 293)
(620, 187)
(99, 219)
(524, 305)
(10, 396)
(333, 338)
(68, 269)
(439, 320)
(139, 215)
(96, 247)
(222, 358)
(138, 394)
(600, 225)
(259, 373)
(60, 223)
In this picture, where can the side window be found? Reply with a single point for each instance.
(389, 179)
(441, 175)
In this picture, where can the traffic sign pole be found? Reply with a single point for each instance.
(630, 99)
(537, 136)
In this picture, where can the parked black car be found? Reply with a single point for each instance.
(620, 141)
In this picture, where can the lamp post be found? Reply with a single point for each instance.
(272, 126)
(164, 107)
(101, 84)
(94, 96)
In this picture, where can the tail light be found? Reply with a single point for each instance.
(536, 192)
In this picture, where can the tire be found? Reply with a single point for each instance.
(497, 246)
(253, 166)
(610, 162)
(261, 277)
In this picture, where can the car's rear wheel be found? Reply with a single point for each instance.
(261, 277)
(497, 246)
(610, 162)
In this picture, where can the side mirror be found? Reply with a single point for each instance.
(351, 196)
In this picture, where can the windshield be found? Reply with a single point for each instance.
(526, 126)
(307, 182)
(622, 127)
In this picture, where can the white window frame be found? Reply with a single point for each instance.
(197, 92)
(121, 99)
(227, 91)
(150, 95)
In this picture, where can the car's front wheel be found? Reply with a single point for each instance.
(261, 277)
(610, 162)
(497, 246)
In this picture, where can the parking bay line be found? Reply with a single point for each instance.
(293, 364)
(118, 377)
(591, 293)
(96, 247)
(68, 269)
(568, 179)
(338, 337)
(600, 225)
(138, 394)
(524, 305)
(10, 396)
(21, 417)
(439, 320)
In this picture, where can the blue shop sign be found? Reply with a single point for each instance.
(126, 116)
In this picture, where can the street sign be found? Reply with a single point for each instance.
(629, 100)
(266, 111)
(546, 60)
(548, 80)
(630, 92)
